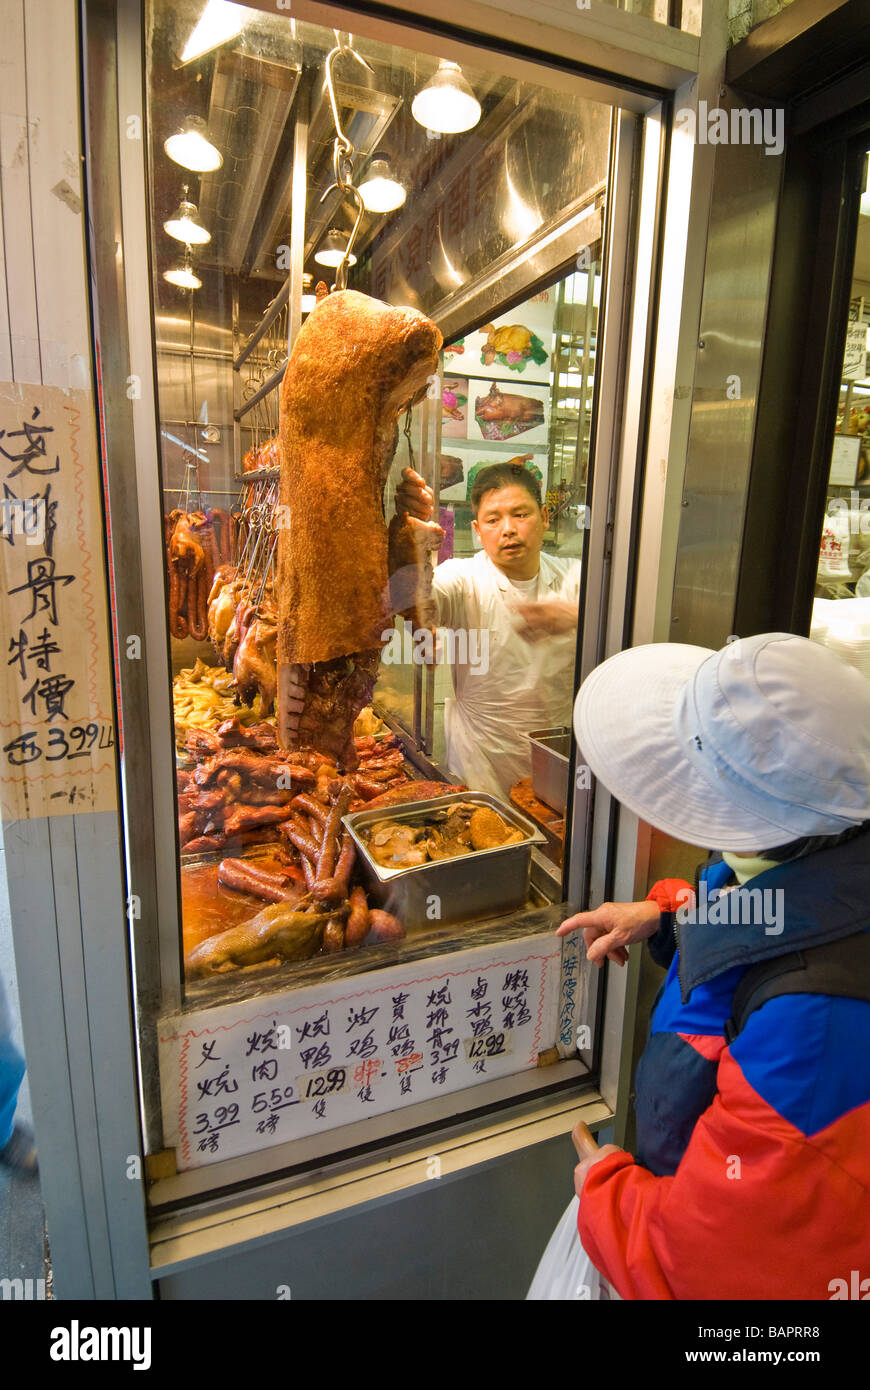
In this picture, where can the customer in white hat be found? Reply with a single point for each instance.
(752, 1172)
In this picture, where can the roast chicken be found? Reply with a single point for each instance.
(254, 664)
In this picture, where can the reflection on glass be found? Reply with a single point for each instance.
(841, 610)
(460, 703)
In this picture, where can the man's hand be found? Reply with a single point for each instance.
(608, 930)
(549, 617)
(414, 497)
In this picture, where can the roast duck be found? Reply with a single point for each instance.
(263, 456)
(197, 544)
(242, 627)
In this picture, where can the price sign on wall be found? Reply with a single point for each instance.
(247, 1075)
(56, 721)
(855, 353)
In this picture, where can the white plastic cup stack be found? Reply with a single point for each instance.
(848, 634)
(820, 621)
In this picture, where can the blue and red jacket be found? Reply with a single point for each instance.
(752, 1178)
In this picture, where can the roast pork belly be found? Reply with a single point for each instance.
(355, 365)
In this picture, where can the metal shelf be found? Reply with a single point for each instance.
(274, 380)
(264, 325)
(259, 475)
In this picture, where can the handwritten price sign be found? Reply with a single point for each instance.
(358, 1047)
(56, 727)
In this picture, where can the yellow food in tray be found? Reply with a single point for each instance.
(445, 833)
(204, 696)
(368, 723)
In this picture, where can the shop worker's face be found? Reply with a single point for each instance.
(510, 526)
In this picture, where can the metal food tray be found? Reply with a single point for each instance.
(551, 751)
(443, 892)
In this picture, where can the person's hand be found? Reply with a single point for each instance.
(414, 497)
(586, 1163)
(608, 930)
(549, 617)
(589, 1153)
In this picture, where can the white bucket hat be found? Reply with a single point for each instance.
(748, 748)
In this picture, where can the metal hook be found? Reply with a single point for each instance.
(343, 154)
(407, 434)
(338, 52)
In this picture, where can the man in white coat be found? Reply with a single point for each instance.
(517, 610)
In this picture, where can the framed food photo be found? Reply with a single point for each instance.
(535, 463)
(454, 463)
(462, 461)
(501, 412)
(517, 346)
(455, 355)
(454, 407)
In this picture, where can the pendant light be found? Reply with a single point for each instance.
(446, 104)
(183, 276)
(219, 21)
(191, 148)
(332, 249)
(379, 190)
(184, 224)
(309, 298)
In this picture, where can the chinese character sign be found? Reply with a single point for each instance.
(240, 1077)
(56, 724)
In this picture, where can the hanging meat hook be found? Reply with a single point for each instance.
(343, 154)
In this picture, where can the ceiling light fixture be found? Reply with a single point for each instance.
(447, 103)
(219, 21)
(183, 275)
(332, 250)
(380, 191)
(184, 224)
(309, 298)
(191, 148)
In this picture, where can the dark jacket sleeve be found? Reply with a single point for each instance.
(669, 893)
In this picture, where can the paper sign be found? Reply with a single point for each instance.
(244, 1076)
(845, 456)
(855, 354)
(56, 720)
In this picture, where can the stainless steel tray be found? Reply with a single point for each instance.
(551, 750)
(443, 892)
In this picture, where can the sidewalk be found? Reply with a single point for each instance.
(21, 1216)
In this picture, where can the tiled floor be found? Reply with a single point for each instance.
(21, 1216)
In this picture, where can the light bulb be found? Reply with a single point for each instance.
(332, 250)
(191, 148)
(308, 302)
(183, 275)
(379, 191)
(184, 224)
(447, 103)
(219, 21)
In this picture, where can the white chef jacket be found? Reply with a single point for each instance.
(521, 685)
